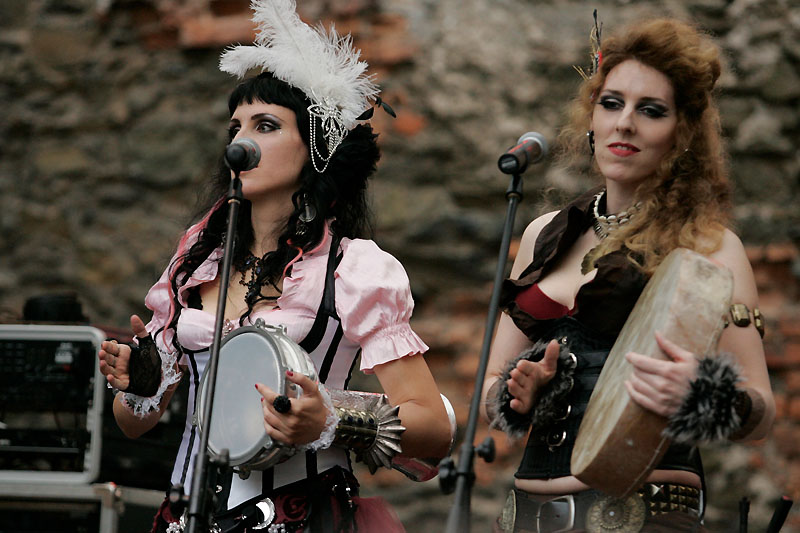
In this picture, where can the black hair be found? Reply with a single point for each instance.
(339, 193)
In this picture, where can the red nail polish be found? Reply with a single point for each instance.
(256, 386)
(289, 373)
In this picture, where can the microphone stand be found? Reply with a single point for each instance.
(202, 493)
(459, 517)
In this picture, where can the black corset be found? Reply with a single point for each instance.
(548, 451)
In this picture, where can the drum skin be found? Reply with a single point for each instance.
(619, 443)
(250, 355)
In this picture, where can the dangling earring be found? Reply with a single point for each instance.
(590, 135)
(307, 214)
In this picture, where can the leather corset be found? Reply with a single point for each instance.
(548, 451)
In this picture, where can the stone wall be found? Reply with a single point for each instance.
(115, 114)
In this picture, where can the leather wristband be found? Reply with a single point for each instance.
(750, 407)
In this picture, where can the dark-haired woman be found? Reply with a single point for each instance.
(653, 132)
(300, 262)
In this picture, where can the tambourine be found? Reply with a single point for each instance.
(261, 353)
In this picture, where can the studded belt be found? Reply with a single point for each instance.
(594, 511)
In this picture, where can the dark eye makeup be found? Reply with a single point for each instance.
(647, 106)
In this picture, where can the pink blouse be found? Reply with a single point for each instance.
(373, 300)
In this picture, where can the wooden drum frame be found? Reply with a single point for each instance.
(619, 443)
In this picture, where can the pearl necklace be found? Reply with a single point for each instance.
(605, 224)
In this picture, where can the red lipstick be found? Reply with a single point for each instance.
(622, 149)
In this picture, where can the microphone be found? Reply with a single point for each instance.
(531, 148)
(243, 154)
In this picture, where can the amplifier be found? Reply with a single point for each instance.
(51, 404)
(81, 508)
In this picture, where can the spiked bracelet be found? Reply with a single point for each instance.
(372, 429)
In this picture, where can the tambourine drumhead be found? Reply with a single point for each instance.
(247, 356)
(250, 355)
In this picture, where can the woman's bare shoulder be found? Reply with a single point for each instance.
(528, 242)
(537, 224)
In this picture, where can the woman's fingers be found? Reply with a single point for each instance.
(550, 360)
(113, 361)
(672, 350)
(644, 400)
(137, 326)
(659, 385)
(305, 418)
(528, 376)
(310, 388)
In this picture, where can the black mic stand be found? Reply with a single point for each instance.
(202, 492)
(463, 477)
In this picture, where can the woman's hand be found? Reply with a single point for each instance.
(305, 420)
(528, 377)
(661, 386)
(114, 357)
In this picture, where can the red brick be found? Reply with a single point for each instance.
(355, 26)
(785, 436)
(781, 405)
(143, 14)
(791, 352)
(789, 326)
(467, 366)
(756, 460)
(771, 300)
(388, 49)
(206, 31)
(780, 252)
(513, 249)
(348, 7)
(794, 409)
(165, 39)
(792, 382)
(409, 123)
(755, 254)
(777, 362)
(221, 8)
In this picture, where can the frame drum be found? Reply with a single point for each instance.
(619, 443)
(260, 353)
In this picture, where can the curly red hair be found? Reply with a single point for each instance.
(687, 202)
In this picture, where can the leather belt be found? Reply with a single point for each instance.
(595, 511)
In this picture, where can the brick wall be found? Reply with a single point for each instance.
(116, 112)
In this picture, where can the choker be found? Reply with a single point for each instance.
(605, 224)
(255, 267)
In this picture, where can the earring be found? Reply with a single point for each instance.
(307, 214)
(590, 135)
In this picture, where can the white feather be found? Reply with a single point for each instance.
(324, 65)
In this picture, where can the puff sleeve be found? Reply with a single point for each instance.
(374, 303)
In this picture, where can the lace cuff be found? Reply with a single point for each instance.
(143, 405)
(331, 421)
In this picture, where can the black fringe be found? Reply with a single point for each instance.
(546, 410)
(708, 413)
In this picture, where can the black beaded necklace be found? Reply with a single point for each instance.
(255, 268)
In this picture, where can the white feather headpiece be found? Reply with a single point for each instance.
(322, 64)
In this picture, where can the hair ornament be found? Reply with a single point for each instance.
(597, 54)
(319, 62)
(366, 115)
